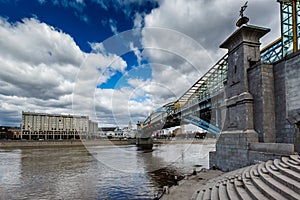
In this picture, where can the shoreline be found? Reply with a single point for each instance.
(59, 143)
(184, 190)
(186, 141)
(105, 142)
(190, 185)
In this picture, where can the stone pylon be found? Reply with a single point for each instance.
(238, 131)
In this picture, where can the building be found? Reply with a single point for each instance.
(10, 133)
(45, 126)
(129, 132)
(103, 132)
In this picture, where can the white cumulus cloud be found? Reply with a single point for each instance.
(39, 69)
(182, 37)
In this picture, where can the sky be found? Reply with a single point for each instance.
(113, 60)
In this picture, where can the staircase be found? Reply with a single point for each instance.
(274, 179)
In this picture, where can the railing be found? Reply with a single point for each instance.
(210, 83)
(272, 52)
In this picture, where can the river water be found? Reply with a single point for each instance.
(98, 172)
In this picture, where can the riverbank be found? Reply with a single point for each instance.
(186, 141)
(187, 187)
(60, 143)
(104, 142)
(107, 172)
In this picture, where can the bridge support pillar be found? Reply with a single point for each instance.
(144, 143)
(232, 150)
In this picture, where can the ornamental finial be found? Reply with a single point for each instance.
(243, 19)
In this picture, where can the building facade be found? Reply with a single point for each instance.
(45, 126)
(10, 133)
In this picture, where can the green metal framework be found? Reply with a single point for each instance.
(290, 25)
(287, 27)
(272, 52)
(290, 33)
(212, 83)
(298, 23)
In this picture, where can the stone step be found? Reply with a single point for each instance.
(210, 190)
(286, 170)
(291, 166)
(295, 158)
(207, 194)
(240, 190)
(293, 162)
(250, 187)
(231, 192)
(265, 189)
(218, 185)
(274, 168)
(247, 174)
(215, 192)
(222, 191)
(281, 164)
(278, 179)
(201, 195)
(291, 183)
(264, 170)
(239, 185)
(276, 185)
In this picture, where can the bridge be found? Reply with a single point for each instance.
(200, 105)
(246, 92)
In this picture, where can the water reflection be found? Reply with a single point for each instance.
(9, 172)
(114, 172)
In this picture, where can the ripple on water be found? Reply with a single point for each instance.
(115, 172)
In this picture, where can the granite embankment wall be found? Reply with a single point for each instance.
(186, 141)
(287, 100)
(70, 143)
(61, 143)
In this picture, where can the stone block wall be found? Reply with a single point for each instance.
(232, 150)
(255, 85)
(242, 152)
(287, 100)
(261, 86)
(292, 71)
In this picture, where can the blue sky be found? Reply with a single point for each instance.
(113, 60)
(86, 21)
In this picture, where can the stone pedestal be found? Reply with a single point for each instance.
(232, 150)
(238, 131)
(144, 143)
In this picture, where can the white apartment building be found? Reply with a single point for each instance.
(56, 127)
